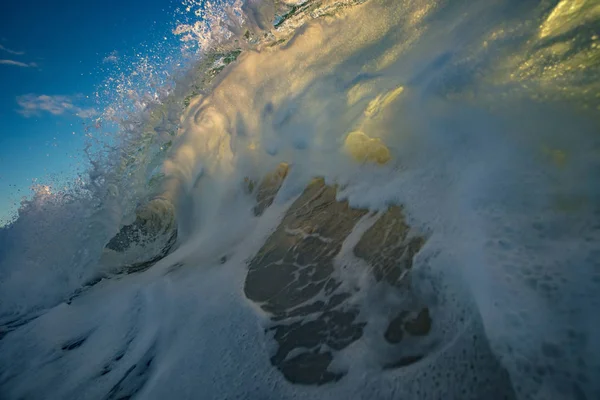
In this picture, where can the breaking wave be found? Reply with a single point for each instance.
(347, 199)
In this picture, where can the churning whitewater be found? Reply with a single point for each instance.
(351, 199)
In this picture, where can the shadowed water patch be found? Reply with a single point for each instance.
(315, 314)
(291, 278)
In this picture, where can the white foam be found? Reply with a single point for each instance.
(495, 168)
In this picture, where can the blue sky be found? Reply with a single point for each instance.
(53, 56)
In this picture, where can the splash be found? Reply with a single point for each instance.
(449, 244)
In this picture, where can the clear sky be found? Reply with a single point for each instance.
(53, 56)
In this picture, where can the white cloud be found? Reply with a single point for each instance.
(32, 104)
(18, 63)
(15, 52)
(113, 57)
(86, 113)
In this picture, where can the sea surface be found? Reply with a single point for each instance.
(327, 199)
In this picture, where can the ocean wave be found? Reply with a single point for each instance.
(349, 199)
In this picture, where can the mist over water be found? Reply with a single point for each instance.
(481, 119)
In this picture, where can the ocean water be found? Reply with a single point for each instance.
(338, 199)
